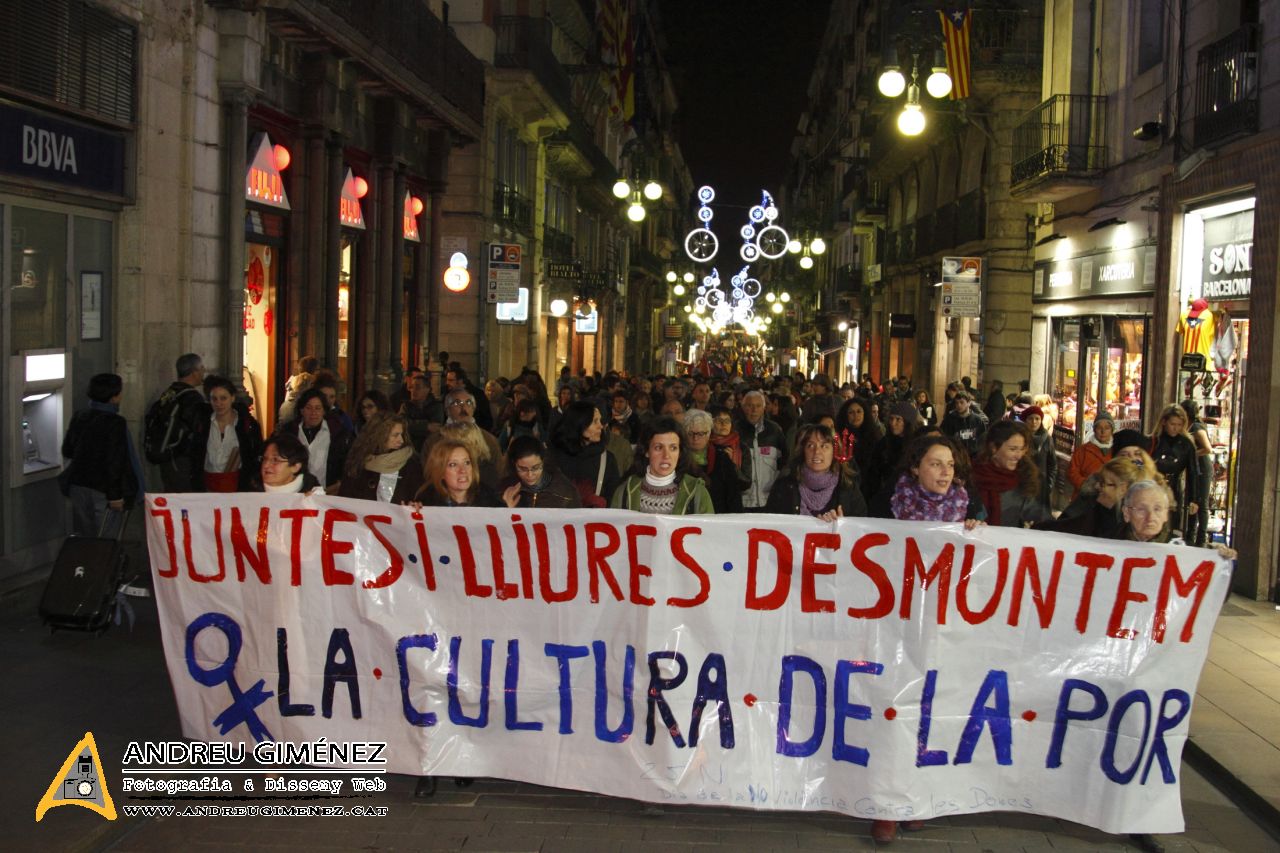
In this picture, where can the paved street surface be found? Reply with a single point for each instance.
(60, 686)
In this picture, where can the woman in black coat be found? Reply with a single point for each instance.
(531, 482)
(819, 484)
(577, 451)
(1175, 457)
(382, 465)
(102, 476)
(228, 444)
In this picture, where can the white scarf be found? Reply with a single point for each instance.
(659, 482)
(292, 487)
(318, 450)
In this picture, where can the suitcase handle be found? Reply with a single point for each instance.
(124, 521)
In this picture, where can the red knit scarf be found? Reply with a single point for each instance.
(991, 483)
(731, 443)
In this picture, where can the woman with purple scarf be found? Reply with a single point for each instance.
(819, 484)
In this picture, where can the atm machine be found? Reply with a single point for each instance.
(39, 407)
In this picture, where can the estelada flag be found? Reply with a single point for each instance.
(955, 36)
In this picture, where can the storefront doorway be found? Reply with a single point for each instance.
(263, 258)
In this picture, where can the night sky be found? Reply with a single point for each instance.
(740, 70)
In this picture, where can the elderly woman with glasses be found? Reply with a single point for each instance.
(714, 460)
(1146, 510)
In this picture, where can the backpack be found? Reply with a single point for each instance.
(162, 431)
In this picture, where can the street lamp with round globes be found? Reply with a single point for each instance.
(911, 120)
(559, 307)
(891, 82)
(678, 290)
(689, 278)
(844, 326)
(671, 276)
(621, 189)
(939, 83)
(817, 246)
(785, 297)
(653, 190)
(777, 308)
(769, 297)
(806, 262)
(794, 247)
(635, 212)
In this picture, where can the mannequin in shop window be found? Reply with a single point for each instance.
(1196, 325)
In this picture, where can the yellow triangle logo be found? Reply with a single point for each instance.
(80, 782)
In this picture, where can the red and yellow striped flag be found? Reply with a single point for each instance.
(615, 24)
(955, 36)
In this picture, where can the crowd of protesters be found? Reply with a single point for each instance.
(666, 445)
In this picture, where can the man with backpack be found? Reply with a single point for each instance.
(170, 425)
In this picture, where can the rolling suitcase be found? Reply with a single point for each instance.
(82, 588)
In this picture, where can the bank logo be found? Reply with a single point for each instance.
(80, 782)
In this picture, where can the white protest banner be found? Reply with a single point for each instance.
(878, 669)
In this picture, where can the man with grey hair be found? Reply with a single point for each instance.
(171, 425)
(460, 408)
(764, 451)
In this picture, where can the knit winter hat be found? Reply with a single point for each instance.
(910, 414)
(1104, 415)
(1029, 411)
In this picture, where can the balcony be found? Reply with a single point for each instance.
(1227, 87)
(512, 209)
(525, 43)
(1058, 148)
(557, 245)
(401, 42)
(848, 280)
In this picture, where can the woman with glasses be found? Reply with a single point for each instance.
(382, 465)
(532, 483)
(1147, 508)
(661, 482)
(715, 461)
(819, 484)
(283, 470)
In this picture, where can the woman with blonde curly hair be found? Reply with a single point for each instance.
(482, 453)
(381, 465)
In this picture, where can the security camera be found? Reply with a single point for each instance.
(1148, 130)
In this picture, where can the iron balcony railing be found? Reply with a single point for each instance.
(556, 244)
(1227, 87)
(524, 42)
(412, 35)
(1063, 137)
(512, 208)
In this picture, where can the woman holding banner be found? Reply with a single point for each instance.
(451, 478)
(381, 466)
(1097, 512)
(661, 482)
(532, 482)
(1006, 479)
(931, 484)
(284, 468)
(819, 484)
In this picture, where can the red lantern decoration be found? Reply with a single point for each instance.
(268, 322)
(361, 187)
(282, 156)
(254, 281)
(416, 204)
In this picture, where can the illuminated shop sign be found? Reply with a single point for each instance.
(263, 183)
(349, 212)
(413, 206)
(1120, 271)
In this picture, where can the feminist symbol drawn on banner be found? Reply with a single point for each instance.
(243, 705)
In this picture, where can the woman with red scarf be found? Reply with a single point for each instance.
(716, 452)
(1007, 479)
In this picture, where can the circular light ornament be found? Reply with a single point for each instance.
(911, 120)
(706, 195)
(818, 246)
(671, 275)
(361, 187)
(416, 205)
(281, 156)
(891, 82)
(700, 309)
(636, 212)
(678, 290)
(939, 83)
(653, 191)
(777, 308)
(559, 307)
(806, 263)
(794, 247)
(689, 278)
(459, 260)
(621, 189)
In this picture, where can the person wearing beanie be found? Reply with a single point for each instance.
(1041, 451)
(1128, 438)
(1092, 454)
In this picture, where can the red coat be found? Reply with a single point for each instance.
(1087, 460)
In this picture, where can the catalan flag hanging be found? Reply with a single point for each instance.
(955, 36)
(615, 24)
